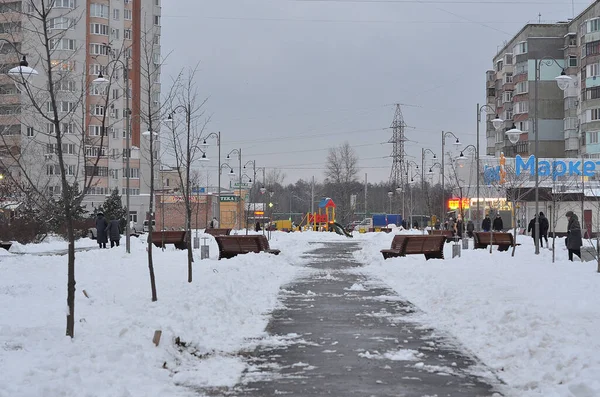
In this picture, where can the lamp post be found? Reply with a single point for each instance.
(253, 180)
(204, 145)
(460, 159)
(101, 80)
(423, 152)
(390, 194)
(240, 209)
(497, 123)
(563, 81)
(457, 142)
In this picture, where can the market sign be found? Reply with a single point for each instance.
(556, 168)
(230, 199)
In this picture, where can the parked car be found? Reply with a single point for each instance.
(147, 228)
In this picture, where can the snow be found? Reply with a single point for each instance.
(535, 323)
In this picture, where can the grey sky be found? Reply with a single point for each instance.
(289, 79)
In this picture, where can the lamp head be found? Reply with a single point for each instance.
(398, 189)
(514, 134)
(204, 158)
(263, 190)
(23, 70)
(457, 142)
(563, 80)
(390, 193)
(497, 123)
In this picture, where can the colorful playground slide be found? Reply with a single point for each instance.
(339, 229)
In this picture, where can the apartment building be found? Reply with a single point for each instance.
(569, 121)
(89, 37)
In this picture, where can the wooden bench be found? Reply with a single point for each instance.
(502, 240)
(410, 244)
(217, 232)
(176, 237)
(230, 246)
(449, 234)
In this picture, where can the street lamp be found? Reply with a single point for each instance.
(497, 122)
(456, 143)
(514, 134)
(423, 152)
(563, 82)
(204, 145)
(390, 194)
(102, 81)
(240, 209)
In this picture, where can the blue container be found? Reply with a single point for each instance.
(379, 220)
(396, 219)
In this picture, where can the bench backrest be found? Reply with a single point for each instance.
(170, 236)
(446, 233)
(239, 244)
(398, 241)
(218, 232)
(495, 238)
(262, 242)
(424, 244)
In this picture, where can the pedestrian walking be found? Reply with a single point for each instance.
(214, 224)
(544, 226)
(459, 226)
(486, 224)
(101, 225)
(574, 241)
(257, 227)
(113, 231)
(470, 228)
(498, 225)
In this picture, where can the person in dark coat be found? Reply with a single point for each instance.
(498, 225)
(114, 232)
(531, 228)
(470, 228)
(486, 225)
(544, 226)
(459, 227)
(101, 225)
(257, 227)
(574, 241)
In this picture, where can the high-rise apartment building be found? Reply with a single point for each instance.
(569, 121)
(87, 37)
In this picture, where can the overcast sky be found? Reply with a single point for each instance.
(288, 79)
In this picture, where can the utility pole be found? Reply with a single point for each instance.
(398, 138)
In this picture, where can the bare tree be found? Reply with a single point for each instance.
(185, 144)
(341, 170)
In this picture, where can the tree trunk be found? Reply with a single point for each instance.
(71, 278)
(151, 264)
(189, 240)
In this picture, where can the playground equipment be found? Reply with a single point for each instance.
(319, 221)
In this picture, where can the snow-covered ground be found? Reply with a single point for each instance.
(537, 324)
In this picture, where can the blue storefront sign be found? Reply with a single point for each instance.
(556, 168)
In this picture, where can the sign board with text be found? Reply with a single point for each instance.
(230, 199)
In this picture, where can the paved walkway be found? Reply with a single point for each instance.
(351, 341)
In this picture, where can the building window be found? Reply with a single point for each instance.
(521, 107)
(96, 130)
(157, 20)
(572, 61)
(522, 87)
(507, 96)
(98, 28)
(99, 49)
(116, 14)
(520, 48)
(99, 10)
(96, 69)
(523, 125)
(593, 25)
(592, 137)
(64, 4)
(508, 78)
(30, 131)
(592, 93)
(499, 66)
(61, 23)
(97, 110)
(64, 85)
(570, 123)
(62, 65)
(508, 115)
(127, 14)
(63, 44)
(133, 217)
(52, 169)
(94, 151)
(127, 34)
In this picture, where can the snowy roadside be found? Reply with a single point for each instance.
(222, 311)
(537, 324)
